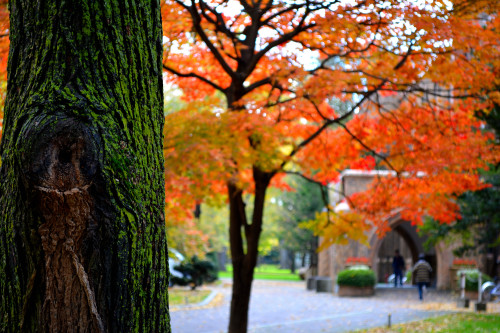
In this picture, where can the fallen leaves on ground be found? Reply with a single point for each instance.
(448, 306)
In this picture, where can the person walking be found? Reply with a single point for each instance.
(398, 266)
(422, 274)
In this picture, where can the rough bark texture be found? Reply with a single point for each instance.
(244, 262)
(82, 239)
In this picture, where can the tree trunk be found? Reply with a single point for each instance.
(244, 262)
(292, 264)
(82, 239)
(313, 266)
(197, 211)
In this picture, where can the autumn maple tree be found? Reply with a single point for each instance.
(315, 87)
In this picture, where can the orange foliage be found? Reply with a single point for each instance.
(363, 84)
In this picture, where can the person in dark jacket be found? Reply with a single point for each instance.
(398, 266)
(422, 274)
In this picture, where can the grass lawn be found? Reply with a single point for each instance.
(453, 323)
(184, 297)
(265, 272)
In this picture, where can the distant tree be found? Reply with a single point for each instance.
(300, 205)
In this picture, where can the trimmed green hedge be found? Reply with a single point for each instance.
(471, 278)
(356, 276)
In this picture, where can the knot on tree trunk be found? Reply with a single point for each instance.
(62, 167)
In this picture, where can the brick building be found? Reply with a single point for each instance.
(403, 236)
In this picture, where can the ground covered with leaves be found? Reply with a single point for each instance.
(458, 322)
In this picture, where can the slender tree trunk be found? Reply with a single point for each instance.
(197, 211)
(82, 239)
(244, 262)
(314, 257)
(495, 267)
(292, 264)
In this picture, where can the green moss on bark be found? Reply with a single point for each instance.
(98, 65)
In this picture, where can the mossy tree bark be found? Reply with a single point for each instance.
(82, 239)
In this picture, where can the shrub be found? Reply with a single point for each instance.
(195, 272)
(356, 276)
(472, 277)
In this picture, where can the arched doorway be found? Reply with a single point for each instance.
(404, 237)
(394, 240)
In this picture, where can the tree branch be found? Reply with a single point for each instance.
(325, 125)
(193, 75)
(367, 148)
(195, 15)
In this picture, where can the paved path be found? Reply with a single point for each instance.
(279, 307)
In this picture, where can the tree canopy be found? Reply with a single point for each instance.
(478, 227)
(321, 86)
(299, 206)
